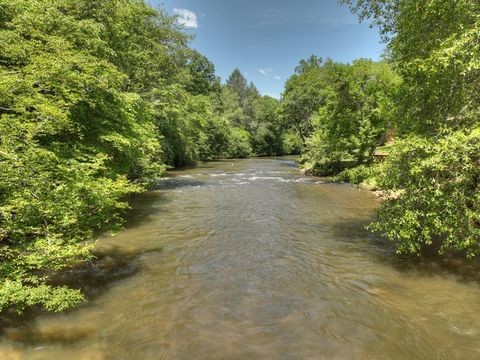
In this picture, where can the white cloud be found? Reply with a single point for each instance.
(186, 18)
(265, 72)
(269, 72)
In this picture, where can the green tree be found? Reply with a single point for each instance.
(238, 84)
(434, 192)
(358, 108)
(71, 138)
(434, 46)
(230, 107)
(89, 91)
(311, 63)
(267, 131)
(301, 97)
(203, 80)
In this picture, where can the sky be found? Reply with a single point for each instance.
(266, 39)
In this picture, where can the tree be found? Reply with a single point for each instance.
(434, 46)
(72, 141)
(95, 97)
(267, 133)
(358, 108)
(434, 192)
(203, 80)
(301, 97)
(238, 84)
(231, 108)
(311, 63)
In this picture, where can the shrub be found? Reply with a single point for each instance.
(436, 182)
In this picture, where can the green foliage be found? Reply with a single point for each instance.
(433, 171)
(325, 158)
(266, 129)
(146, 44)
(361, 174)
(231, 108)
(72, 140)
(302, 96)
(254, 122)
(245, 96)
(291, 143)
(435, 192)
(203, 80)
(215, 138)
(239, 143)
(433, 45)
(238, 84)
(441, 68)
(179, 124)
(353, 109)
(312, 63)
(95, 97)
(17, 294)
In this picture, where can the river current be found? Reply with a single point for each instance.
(250, 259)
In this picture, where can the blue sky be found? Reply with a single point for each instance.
(266, 39)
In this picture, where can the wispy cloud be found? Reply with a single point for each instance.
(269, 72)
(186, 18)
(265, 72)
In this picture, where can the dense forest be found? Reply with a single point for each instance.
(99, 98)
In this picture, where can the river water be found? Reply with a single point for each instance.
(250, 259)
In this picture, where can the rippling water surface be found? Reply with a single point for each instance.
(249, 259)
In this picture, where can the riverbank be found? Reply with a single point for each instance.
(360, 176)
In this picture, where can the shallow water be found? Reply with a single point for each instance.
(249, 259)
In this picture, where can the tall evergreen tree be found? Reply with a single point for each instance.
(237, 82)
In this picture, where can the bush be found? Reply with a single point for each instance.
(435, 194)
(292, 143)
(239, 144)
(359, 174)
(49, 210)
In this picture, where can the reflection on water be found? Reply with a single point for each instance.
(249, 259)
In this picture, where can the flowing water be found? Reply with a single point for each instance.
(250, 259)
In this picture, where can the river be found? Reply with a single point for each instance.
(250, 259)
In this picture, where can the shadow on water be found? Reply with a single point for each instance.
(210, 164)
(428, 264)
(464, 270)
(144, 207)
(179, 182)
(288, 163)
(289, 160)
(93, 278)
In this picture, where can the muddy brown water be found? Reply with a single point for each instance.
(250, 259)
